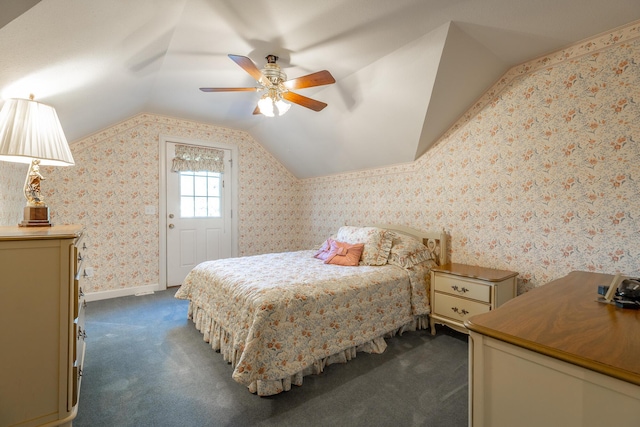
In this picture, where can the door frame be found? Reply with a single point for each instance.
(162, 201)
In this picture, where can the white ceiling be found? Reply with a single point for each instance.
(405, 69)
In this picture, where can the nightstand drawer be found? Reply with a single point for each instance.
(458, 309)
(464, 288)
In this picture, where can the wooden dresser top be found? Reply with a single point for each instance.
(476, 272)
(54, 232)
(563, 319)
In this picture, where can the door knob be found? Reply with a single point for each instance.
(170, 215)
(171, 225)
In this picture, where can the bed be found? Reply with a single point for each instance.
(279, 317)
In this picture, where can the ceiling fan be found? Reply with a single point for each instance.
(273, 81)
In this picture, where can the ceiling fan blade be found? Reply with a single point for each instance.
(248, 65)
(304, 101)
(229, 89)
(315, 79)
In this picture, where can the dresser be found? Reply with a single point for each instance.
(459, 291)
(555, 356)
(42, 325)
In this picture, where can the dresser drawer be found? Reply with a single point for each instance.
(80, 337)
(79, 300)
(458, 309)
(463, 287)
(77, 379)
(79, 346)
(80, 333)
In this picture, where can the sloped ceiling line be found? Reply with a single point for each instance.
(405, 70)
(586, 47)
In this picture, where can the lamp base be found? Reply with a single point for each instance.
(36, 216)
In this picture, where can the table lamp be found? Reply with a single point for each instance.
(30, 132)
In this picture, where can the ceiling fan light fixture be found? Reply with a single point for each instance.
(271, 103)
(265, 104)
(282, 107)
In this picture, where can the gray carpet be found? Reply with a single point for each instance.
(147, 365)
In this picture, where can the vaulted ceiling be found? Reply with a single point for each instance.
(405, 70)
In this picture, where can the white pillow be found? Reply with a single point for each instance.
(377, 242)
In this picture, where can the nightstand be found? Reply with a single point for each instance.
(459, 291)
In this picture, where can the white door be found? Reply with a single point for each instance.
(198, 217)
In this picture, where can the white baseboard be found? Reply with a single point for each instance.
(138, 290)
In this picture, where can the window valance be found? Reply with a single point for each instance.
(197, 159)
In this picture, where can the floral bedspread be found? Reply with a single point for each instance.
(279, 313)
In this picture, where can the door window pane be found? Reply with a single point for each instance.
(200, 206)
(200, 186)
(186, 185)
(200, 194)
(214, 187)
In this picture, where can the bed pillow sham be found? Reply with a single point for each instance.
(377, 242)
(344, 253)
(324, 250)
(407, 251)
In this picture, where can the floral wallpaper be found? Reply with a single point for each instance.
(12, 201)
(540, 176)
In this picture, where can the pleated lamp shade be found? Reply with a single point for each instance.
(31, 130)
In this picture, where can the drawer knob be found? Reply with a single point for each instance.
(462, 290)
(462, 312)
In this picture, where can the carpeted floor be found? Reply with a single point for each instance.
(147, 365)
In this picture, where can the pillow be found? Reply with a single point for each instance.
(407, 251)
(344, 254)
(377, 242)
(324, 250)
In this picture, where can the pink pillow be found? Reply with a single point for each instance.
(324, 250)
(344, 254)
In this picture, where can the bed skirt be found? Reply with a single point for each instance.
(221, 341)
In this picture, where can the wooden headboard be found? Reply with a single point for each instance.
(436, 241)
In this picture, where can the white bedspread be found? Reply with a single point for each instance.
(275, 315)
